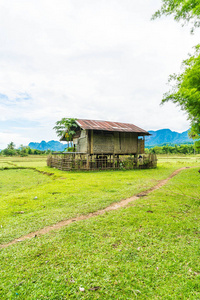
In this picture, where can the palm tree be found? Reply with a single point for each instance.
(66, 127)
(11, 146)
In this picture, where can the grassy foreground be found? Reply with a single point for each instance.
(30, 200)
(149, 250)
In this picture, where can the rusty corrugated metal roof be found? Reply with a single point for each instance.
(110, 126)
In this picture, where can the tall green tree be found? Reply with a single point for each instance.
(185, 91)
(185, 87)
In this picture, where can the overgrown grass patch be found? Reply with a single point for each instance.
(149, 250)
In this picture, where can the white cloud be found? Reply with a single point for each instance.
(88, 59)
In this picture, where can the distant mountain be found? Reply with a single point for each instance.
(166, 136)
(51, 145)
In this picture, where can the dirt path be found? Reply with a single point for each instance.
(113, 206)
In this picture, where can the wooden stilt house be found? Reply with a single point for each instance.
(104, 145)
(96, 137)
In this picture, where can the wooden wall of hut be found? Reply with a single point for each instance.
(98, 141)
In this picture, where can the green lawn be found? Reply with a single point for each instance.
(149, 250)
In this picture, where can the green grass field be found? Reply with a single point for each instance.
(148, 250)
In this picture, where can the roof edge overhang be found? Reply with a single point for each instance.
(111, 126)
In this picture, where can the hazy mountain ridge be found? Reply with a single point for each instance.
(51, 145)
(166, 136)
(157, 137)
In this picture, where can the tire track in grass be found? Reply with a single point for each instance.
(113, 206)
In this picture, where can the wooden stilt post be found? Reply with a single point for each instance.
(136, 160)
(88, 162)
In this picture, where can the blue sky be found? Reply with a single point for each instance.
(89, 59)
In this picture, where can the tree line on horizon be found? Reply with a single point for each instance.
(165, 149)
(22, 151)
(10, 150)
(176, 149)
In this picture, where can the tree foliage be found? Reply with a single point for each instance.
(186, 10)
(66, 127)
(177, 149)
(185, 90)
